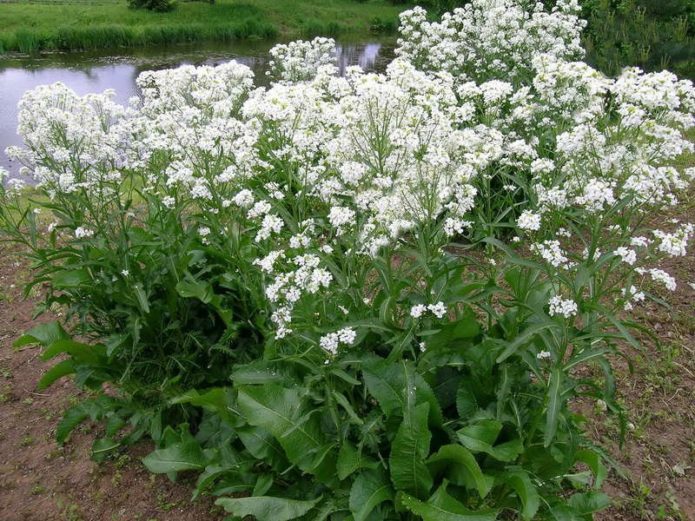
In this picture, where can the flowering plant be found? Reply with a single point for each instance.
(392, 283)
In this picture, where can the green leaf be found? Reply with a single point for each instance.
(409, 450)
(265, 508)
(71, 419)
(142, 298)
(70, 279)
(442, 507)
(481, 436)
(349, 460)
(461, 468)
(519, 480)
(587, 503)
(191, 288)
(185, 455)
(554, 405)
(523, 339)
(395, 384)
(466, 403)
(102, 446)
(283, 413)
(215, 399)
(594, 462)
(369, 490)
(83, 353)
(43, 334)
(261, 444)
(59, 370)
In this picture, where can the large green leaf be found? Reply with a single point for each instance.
(350, 460)
(554, 404)
(368, 490)
(59, 370)
(397, 386)
(461, 468)
(43, 334)
(443, 507)
(481, 436)
(519, 480)
(71, 419)
(261, 444)
(83, 353)
(409, 451)
(284, 413)
(215, 399)
(594, 461)
(266, 508)
(587, 503)
(186, 455)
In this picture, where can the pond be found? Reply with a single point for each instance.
(95, 72)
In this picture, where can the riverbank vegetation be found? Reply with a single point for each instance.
(70, 25)
(383, 296)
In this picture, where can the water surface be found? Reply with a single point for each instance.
(98, 71)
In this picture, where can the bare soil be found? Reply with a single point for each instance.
(42, 481)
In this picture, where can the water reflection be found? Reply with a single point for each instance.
(95, 72)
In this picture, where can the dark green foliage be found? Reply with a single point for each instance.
(652, 34)
(159, 6)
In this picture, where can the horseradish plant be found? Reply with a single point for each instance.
(367, 297)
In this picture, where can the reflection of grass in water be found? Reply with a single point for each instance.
(67, 25)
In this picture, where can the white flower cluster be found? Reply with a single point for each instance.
(298, 61)
(332, 341)
(564, 307)
(317, 170)
(492, 38)
(438, 310)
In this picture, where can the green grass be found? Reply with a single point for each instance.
(67, 25)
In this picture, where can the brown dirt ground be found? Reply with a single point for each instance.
(41, 481)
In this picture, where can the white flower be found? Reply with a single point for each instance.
(417, 310)
(664, 278)
(332, 341)
(563, 307)
(82, 232)
(626, 255)
(543, 355)
(529, 221)
(438, 309)
(125, 273)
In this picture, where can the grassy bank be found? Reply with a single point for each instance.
(95, 24)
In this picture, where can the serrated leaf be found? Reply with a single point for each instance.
(481, 436)
(265, 508)
(369, 489)
(59, 370)
(185, 455)
(445, 508)
(83, 353)
(191, 288)
(349, 460)
(71, 419)
(261, 444)
(409, 451)
(394, 385)
(102, 446)
(461, 468)
(283, 413)
(587, 503)
(43, 334)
